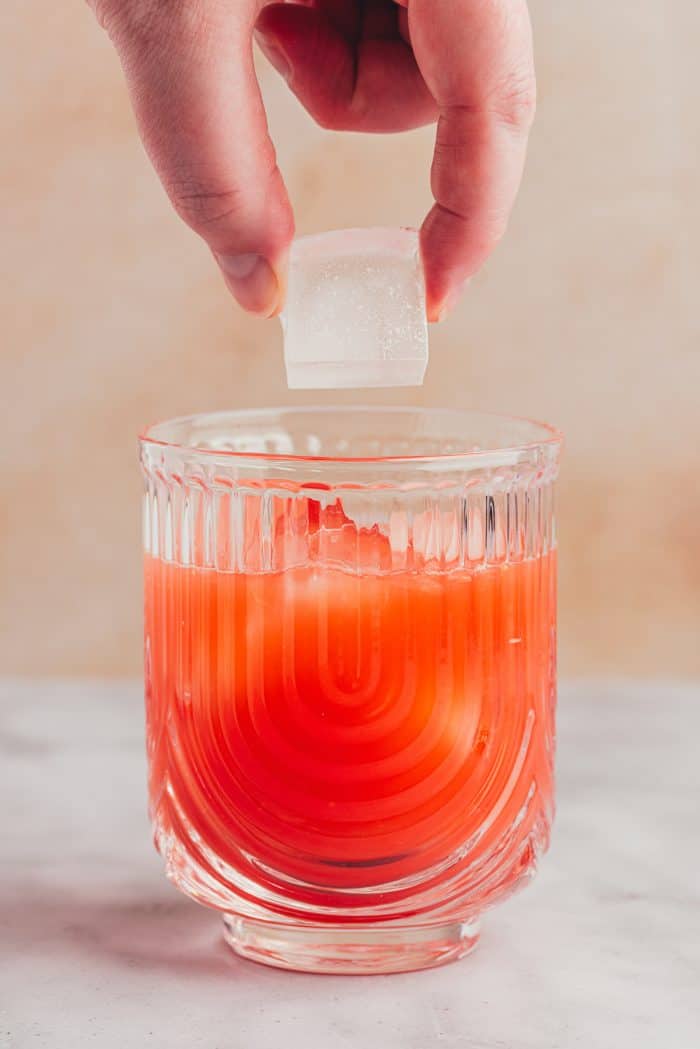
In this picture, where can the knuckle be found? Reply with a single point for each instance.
(204, 208)
(515, 100)
(454, 144)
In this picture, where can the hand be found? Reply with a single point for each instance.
(360, 65)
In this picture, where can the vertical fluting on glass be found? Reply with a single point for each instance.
(350, 688)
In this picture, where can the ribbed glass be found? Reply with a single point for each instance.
(350, 674)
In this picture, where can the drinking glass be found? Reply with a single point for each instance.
(350, 622)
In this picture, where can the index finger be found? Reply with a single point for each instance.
(476, 58)
(189, 69)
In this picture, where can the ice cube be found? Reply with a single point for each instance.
(355, 310)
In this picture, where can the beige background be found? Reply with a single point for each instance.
(113, 316)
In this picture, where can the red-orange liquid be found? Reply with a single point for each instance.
(350, 730)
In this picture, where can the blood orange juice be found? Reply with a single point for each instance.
(350, 701)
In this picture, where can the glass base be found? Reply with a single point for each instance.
(352, 949)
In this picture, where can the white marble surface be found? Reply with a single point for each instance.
(601, 952)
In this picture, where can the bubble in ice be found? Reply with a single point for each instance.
(355, 310)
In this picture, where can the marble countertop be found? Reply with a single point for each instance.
(97, 949)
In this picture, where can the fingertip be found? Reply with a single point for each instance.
(451, 256)
(253, 282)
(436, 287)
(439, 311)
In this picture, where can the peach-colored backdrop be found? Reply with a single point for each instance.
(113, 315)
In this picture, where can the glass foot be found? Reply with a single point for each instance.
(355, 949)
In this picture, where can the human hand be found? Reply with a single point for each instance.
(360, 65)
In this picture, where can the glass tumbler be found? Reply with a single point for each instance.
(350, 624)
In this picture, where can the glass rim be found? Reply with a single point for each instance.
(545, 436)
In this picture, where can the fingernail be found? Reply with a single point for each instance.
(252, 280)
(275, 56)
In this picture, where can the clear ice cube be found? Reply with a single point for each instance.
(355, 310)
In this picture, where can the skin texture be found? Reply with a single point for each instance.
(356, 65)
